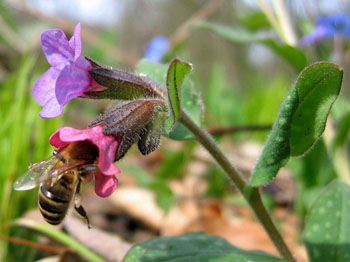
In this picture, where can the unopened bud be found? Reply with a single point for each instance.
(127, 121)
(150, 136)
(122, 85)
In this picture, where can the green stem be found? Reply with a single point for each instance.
(251, 194)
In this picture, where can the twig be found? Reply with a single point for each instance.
(13, 40)
(218, 131)
(182, 31)
(25, 242)
(89, 36)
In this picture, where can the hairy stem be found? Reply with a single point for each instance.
(252, 195)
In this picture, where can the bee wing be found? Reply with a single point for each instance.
(35, 174)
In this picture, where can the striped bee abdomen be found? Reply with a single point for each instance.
(54, 199)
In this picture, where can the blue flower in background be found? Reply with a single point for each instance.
(328, 27)
(156, 48)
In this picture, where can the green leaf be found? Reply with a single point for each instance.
(277, 149)
(176, 75)
(172, 165)
(193, 247)
(223, 104)
(342, 132)
(327, 229)
(255, 21)
(165, 197)
(318, 88)
(294, 56)
(190, 100)
(301, 120)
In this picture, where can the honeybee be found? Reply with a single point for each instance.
(59, 178)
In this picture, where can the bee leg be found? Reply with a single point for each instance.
(77, 205)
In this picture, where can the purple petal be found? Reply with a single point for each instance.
(56, 47)
(317, 34)
(51, 109)
(44, 87)
(83, 63)
(75, 42)
(72, 82)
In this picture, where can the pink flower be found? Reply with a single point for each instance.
(68, 76)
(105, 180)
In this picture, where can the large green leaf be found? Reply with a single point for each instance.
(327, 229)
(318, 87)
(190, 100)
(193, 247)
(294, 56)
(301, 120)
(277, 149)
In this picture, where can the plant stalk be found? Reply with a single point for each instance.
(251, 194)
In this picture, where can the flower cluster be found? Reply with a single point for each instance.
(114, 132)
(328, 27)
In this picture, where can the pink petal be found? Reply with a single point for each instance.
(107, 145)
(105, 180)
(75, 42)
(44, 87)
(66, 135)
(71, 82)
(107, 155)
(105, 185)
(56, 47)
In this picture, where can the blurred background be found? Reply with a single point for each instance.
(178, 188)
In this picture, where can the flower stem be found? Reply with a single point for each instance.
(285, 22)
(251, 194)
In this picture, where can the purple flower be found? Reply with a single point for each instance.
(328, 27)
(68, 75)
(156, 48)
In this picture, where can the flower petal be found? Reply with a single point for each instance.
(56, 47)
(107, 145)
(44, 87)
(65, 135)
(105, 180)
(105, 185)
(156, 48)
(71, 82)
(75, 42)
(107, 154)
(51, 109)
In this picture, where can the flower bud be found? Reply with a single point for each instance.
(149, 139)
(121, 85)
(128, 121)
